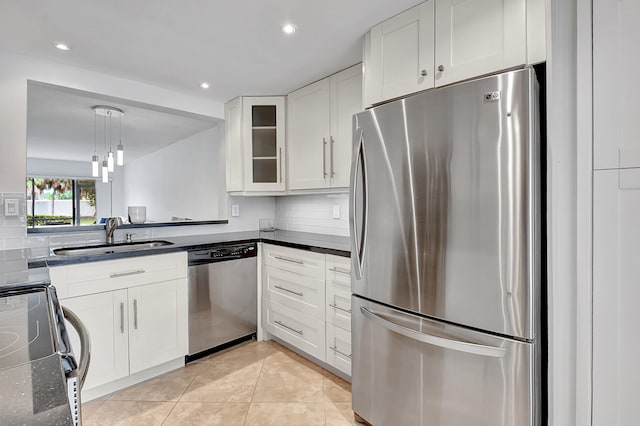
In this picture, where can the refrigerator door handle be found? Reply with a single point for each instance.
(359, 242)
(456, 345)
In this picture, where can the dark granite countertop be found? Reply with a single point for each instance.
(320, 243)
(35, 393)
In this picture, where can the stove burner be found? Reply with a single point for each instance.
(24, 328)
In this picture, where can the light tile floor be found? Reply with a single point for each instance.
(257, 383)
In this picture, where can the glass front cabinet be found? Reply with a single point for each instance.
(255, 142)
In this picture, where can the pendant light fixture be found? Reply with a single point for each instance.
(95, 166)
(120, 148)
(109, 161)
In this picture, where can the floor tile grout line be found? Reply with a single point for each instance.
(254, 390)
(187, 387)
(175, 404)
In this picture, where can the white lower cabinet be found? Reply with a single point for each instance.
(302, 331)
(134, 323)
(339, 348)
(338, 310)
(158, 325)
(105, 317)
(306, 302)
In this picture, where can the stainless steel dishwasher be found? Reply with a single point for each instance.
(222, 297)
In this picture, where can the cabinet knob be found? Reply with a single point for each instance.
(440, 68)
(423, 73)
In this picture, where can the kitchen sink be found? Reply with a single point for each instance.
(110, 248)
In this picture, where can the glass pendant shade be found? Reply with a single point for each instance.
(95, 166)
(105, 171)
(120, 155)
(110, 162)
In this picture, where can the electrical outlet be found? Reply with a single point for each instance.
(11, 207)
(235, 210)
(336, 211)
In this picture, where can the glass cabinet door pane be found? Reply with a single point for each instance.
(264, 143)
(263, 115)
(265, 171)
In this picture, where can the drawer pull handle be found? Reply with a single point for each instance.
(340, 271)
(121, 317)
(287, 259)
(135, 314)
(297, 293)
(335, 349)
(334, 306)
(300, 332)
(126, 274)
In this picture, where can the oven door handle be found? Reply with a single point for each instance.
(85, 344)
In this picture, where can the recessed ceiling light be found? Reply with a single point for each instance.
(204, 85)
(288, 29)
(62, 46)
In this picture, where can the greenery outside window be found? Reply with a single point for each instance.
(60, 201)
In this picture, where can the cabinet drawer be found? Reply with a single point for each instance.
(338, 292)
(95, 277)
(297, 261)
(339, 348)
(302, 331)
(338, 305)
(298, 292)
(339, 270)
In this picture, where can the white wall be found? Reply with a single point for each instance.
(313, 213)
(169, 181)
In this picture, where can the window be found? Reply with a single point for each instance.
(59, 201)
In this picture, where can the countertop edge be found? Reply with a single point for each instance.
(184, 246)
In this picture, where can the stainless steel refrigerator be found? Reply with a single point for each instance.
(445, 221)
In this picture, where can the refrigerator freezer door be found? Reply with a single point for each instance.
(445, 204)
(409, 370)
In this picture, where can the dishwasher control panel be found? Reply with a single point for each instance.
(223, 253)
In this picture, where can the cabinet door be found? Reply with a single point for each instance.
(158, 323)
(616, 35)
(616, 348)
(105, 317)
(476, 37)
(263, 134)
(346, 100)
(309, 133)
(233, 144)
(339, 348)
(400, 49)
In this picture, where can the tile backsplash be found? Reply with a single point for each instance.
(13, 229)
(313, 213)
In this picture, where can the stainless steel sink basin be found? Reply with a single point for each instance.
(110, 248)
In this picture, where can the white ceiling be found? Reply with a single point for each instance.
(62, 126)
(235, 45)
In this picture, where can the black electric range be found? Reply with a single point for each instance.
(37, 367)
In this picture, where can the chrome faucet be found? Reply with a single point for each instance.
(110, 227)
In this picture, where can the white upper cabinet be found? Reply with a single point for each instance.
(399, 55)
(319, 130)
(616, 36)
(233, 142)
(346, 100)
(255, 144)
(309, 130)
(476, 37)
(440, 42)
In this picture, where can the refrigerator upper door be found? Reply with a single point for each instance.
(408, 370)
(445, 204)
